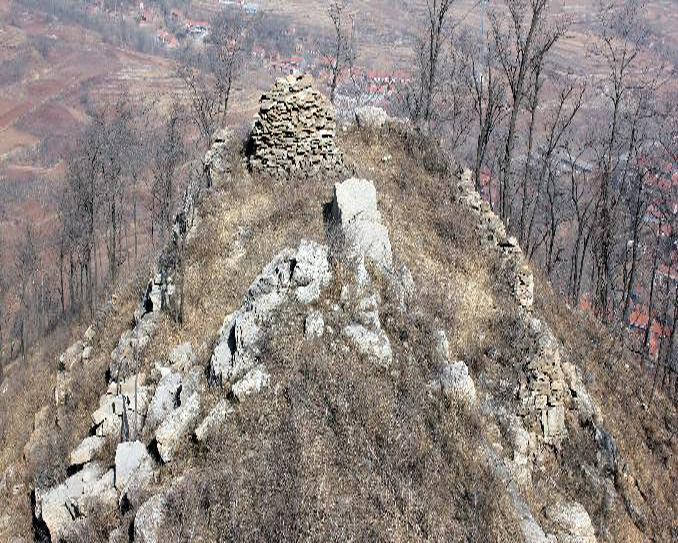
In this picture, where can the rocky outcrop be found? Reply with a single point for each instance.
(121, 401)
(292, 275)
(133, 466)
(149, 520)
(60, 507)
(176, 427)
(215, 162)
(357, 220)
(294, 131)
(371, 117)
(572, 522)
(214, 419)
(87, 450)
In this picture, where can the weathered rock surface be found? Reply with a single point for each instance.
(176, 426)
(87, 450)
(182, 357)
(149, 520)
(572, 521)
(456, 383)
(297, 275)
(294, 131)
(133, 466)
(371, 117)
(118, 400)
(214, 419)
(371, 343)
(253, 381)
(355, 214)
(166, 398)
(215, 162)
(64, 504)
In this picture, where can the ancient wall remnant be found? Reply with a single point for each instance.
(294, 131)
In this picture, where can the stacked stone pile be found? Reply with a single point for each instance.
(294, 132)
(544, 392)
(493, 235)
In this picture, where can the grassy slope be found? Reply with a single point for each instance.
(335, 446)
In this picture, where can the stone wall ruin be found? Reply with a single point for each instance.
(294, 131)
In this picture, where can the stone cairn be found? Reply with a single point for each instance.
(294, 131)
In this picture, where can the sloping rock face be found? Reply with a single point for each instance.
(63, 505)
(294, 131)
(355, 214)
(292, 275)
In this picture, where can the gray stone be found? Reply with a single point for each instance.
(314, 326)
(107, 419)
(176, 426)
(133, 466)
(354, 211)
(572, 521)
(213, 420)
(372, 343)
(182, 357)
(456, 382)
(60, 506)
(370, 117)
(441, 349)
(72, 356)
(253, 381)
(165, 400)
(87, 450)
(149, 520)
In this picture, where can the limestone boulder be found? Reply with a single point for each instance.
(166, 398)
(60, 507)
(371, 117)
(133, 466)
(355, 216)
(214, 419)
(87, 450)
(130, 396)
(176, 427)
(251, 383)
(149, 520)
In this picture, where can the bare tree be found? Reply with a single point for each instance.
(209, 74)
(521, 45)
(26, 266)
(421, 97)
(341, 51)
(488, 97)
(168, 155)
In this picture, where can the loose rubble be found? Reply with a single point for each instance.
(493, 235)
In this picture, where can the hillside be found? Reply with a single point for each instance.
(358, 353)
